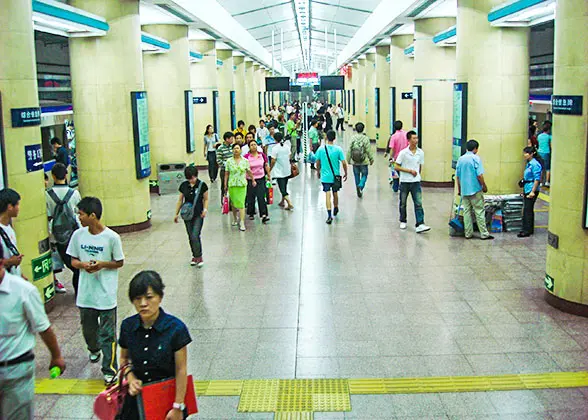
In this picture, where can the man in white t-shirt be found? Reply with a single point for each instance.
(97, 252)
(9, 209)
(409, 165)
(262, 132)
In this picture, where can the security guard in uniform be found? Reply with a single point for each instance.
(22, 316)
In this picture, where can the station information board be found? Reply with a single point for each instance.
(140, 116)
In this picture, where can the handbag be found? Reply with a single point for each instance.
(455, 222)
(294, 172)
(156, 399)
(225, 207)
(187, 209)
(337, 184)
(109, 402)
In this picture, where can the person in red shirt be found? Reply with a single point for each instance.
(398, 142)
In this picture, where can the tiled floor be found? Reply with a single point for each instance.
(360, 298)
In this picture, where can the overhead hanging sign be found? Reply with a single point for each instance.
(406, 95)
(199, 100)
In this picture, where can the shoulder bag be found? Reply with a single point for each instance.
(187, 209)
(109, 403)
(8, 242)
(338, 183)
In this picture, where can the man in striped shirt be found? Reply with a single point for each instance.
(223, 153)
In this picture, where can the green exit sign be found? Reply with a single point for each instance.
(42, 266)
(549, 282)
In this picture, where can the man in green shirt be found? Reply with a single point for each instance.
(223, 153)
(292, 131)
(360, 155)
(315, 138)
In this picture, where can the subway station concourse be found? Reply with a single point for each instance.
(292, 317)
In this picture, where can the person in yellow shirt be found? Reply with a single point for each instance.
(240, 128)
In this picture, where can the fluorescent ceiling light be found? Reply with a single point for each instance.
(59, 18)
(152, 15)
(197, 34)
(523, 13)
(302, 12)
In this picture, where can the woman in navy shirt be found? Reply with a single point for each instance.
(155, 344)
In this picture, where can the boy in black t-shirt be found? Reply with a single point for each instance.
(188, 189)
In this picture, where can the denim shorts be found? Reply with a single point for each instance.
(328, 186)
(546, 158)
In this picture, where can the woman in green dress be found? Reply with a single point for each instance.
(236, 169)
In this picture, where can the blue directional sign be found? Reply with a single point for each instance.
(34, 157)
(566, 105)
(199, 100)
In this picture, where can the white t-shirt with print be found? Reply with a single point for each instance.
(97, 290)
(410, 160)
(6, 250)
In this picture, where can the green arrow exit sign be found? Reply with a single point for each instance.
(549, 282)
(42, 266)
(49, 292)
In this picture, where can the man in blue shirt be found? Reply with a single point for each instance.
(328, 164)
(471, 186)
(544, 140)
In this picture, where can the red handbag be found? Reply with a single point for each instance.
(109, 402)
(225, 205)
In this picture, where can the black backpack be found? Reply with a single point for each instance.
(64, 222)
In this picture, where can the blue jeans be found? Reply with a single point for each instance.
(414, 188)
(361, 173)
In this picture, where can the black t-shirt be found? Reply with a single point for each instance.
(189, 191)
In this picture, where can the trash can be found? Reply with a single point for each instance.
(170, 176)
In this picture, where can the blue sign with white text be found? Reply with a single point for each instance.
(34, 157)
(199, 100)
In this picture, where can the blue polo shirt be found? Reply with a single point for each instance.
(152, 350)
(469, 168)
(532, 173)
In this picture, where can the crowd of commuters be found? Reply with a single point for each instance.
(247, 163)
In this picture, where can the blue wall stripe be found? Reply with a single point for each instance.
(196, 55)
(156, 42)
(445, 35)
(219, 62)
(409, 50)
(68, 15)
(513, 8)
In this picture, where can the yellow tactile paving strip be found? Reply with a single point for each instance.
(299, 398)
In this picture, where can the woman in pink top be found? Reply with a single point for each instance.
(259, 168)
(398, 142)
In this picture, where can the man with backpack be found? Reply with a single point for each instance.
(360, 155)
(62, 202)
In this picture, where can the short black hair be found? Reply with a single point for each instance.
(250, 134)
(262, 121)
(530, 150)
(397, 125)
(235, 145)
(91, 205)
(278, 137)
(59, 171)
(331, 135)
(410, 134)
(239, 134)
(472, 145)
(55, 140)
(251, 141)
(191, 171)
(251, 128)
(143, 281)
(8, 197)
(359, 127)
(228, 135)
(313, 122)
(240, 123)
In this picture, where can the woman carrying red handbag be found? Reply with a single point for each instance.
(155, 344)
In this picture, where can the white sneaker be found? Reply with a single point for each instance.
(242, 227)
(402, 225)
(109, 379)
(422, 228)
(95, 357)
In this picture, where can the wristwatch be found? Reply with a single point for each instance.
(180, 406)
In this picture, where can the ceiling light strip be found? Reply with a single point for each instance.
(154, 43)
(513, 7)
(70, 14)
(445, 35)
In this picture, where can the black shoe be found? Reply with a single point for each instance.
(335, 211)
(265, 219)
(487, 238)
(523, 235)
(358, 191)
(329, 220)
(251, 217)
